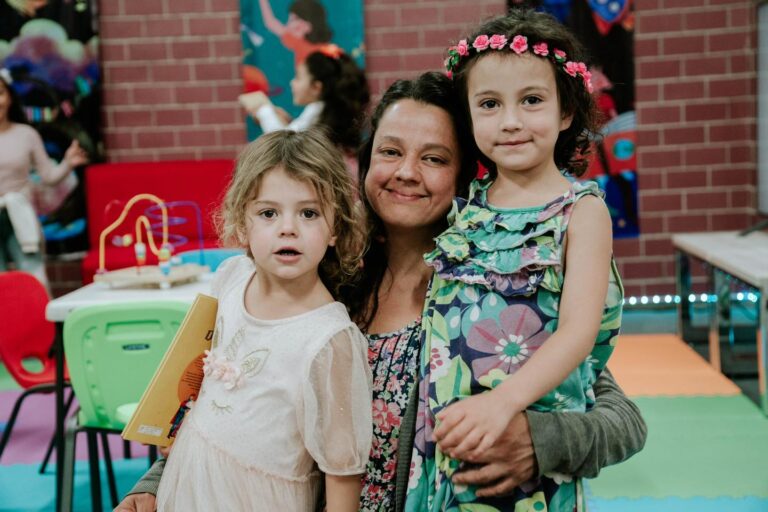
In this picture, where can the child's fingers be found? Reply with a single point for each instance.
(468, 444)
(448, 419)
(455, 435)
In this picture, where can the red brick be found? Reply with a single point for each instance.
(706, 112)
(703, 20)
(731, 87)
(641, 269)
(153, 95)
(147, 51)
(109, 9)
(741, 199)
(626, 247)
(684, 135)
(421, 62)
(174, 117)
(193, 93)
(686, 179)
(113, 52)
(684, 222)
(650, 223)
(171, 73)
(380, 17)
(440, 38)
(143, 7)
(741, 17)
(728, 42)
(116, 28)
(383, 62)
(742, 63)
(227, 48)
(118, 139)
(658, 23)
(647, 92)
(220, 115)
(116, 96)
(655, 115)
(131, 118)
(705, 200)
(648, 137)
(208, 26)
(233, 136)
(649, 180)
(743, 108)
(646, 47)
(726, 221)
(121, 73)
(166, 27)
(687, 44)
(659, 69)
(197, 137)
(733, 176)
(215, 71)
(658, 158)
(741, 154)
(661, 202)
(732, 132)
(705, 156)
(190, 49)
(228, 92)
(684, 90)
(680, 4)
(465, 14)
(154, 139)
(643, 6)
(709, 66)
(398, 40)
(658, 247)
(666, 288)
(200, 6)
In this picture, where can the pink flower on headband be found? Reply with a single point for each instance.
(498, 41)
(541, 49)
(463, 48)
(449, 74)
(587, 76)
(481, 43)
(519, 44)
(572, 68)
(559, 55)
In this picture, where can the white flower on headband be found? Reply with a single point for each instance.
(6, 76)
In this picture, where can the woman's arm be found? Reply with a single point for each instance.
(578, 444)
(342, 493)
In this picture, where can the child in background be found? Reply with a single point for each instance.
(525, 305)
(287, 388)
(21, 150)
(333, 92)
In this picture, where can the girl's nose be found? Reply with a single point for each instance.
(288, 226)
(511, 120)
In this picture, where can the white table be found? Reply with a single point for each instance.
(729, 256)
(90, 295)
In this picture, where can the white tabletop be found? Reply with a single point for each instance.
(744, 257)
(100, 293)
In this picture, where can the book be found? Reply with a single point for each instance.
(177, 380)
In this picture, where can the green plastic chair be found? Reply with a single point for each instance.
(112, 351)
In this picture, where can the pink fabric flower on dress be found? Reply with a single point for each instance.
(519, 44)
(481, 43)
(509, 342)
(463, 48)
(498, 41)
(232, 376)
(541, 49)
(386, 416)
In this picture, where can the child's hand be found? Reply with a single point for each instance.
(75, 156)
(253, 101)
(472, 425)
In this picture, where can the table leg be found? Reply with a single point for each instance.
(762, 349)
(719, 314)
(683, 282)
(59, 437)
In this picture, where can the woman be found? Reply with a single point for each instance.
(409, 173)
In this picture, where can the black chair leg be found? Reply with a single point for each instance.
(93, 466)
(12, 419)
(152, 454)
(127, 449)
(110, 470)
(49, 451)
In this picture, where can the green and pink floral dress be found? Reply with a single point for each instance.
(492, 303)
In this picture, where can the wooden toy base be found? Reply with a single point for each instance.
(150, 276)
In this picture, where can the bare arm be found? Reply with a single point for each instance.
(272, 23)
(342, 493)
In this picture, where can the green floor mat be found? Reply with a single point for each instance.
(6, 381)
(696, 447)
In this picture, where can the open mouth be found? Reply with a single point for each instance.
(288, 252)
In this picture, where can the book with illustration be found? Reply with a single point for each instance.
(177, 380)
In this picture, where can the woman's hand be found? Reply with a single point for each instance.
(143, 502)
(505, 465)
(75, 156)
(472, 425)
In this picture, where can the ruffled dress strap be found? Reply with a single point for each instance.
(511, 251)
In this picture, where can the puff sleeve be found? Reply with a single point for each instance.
(335, 413)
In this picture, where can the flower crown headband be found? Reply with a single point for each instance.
(519, 45)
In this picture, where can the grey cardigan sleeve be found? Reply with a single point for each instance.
(582, 444)
(150, 481)
(572, 443)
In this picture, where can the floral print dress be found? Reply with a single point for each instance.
(492, 303)
(394, 362)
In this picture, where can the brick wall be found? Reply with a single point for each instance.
(171, 78)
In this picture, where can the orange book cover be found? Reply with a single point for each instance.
(177, 379)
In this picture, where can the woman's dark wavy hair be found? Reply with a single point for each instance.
(362, 299)
(15, 111)
(573, 143)
(345, 95)
(313, 12)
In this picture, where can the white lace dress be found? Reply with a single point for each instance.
(282, 400)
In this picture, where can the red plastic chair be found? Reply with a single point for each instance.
(26, 334)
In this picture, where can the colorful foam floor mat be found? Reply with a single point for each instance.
(707, 447)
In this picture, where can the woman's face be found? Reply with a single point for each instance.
(415, 161)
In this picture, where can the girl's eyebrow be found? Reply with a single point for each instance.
(525, 90)
(276, 203)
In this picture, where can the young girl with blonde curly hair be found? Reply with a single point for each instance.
(286, 398)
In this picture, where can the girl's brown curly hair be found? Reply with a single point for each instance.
(311, 157)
